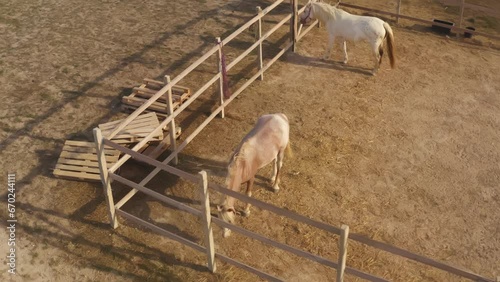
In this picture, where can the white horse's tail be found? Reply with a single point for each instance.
(390, 43)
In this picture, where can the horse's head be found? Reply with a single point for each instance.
(227, 214)
(307, 15)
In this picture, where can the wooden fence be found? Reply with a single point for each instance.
(108, 174)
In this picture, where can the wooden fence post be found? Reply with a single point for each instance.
(398, 11)
(207, 221)
(171, 127)
(293, 24)
(221, 82)
(258, 35)
(462, 6)
(106, 181)
(344, 233)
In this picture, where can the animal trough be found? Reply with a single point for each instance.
(442, 29)
(149, 88)
(468, 34)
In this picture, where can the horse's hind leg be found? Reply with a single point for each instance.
(278, 165)
(275, 170)
(246, 212)
(378, 56)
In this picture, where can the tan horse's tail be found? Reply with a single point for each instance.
(390, 44)
(288, 150)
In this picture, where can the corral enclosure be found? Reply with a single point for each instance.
(408, 157)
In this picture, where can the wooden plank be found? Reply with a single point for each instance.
(76, 175)
(78, 156)
(75, 149)
(86, 163)
(77, 168)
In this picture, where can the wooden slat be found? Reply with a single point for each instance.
(77, 168)
(145, 118)
(77, 175)
(87, 163)
(77, 149)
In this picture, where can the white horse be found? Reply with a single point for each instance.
(266, 142)
(351, 27)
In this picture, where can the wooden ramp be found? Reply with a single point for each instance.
(135, 131)
(149, 88)
(78, 160)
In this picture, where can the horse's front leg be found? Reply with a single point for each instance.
(246, 212)
(331, 41)
(344, 48)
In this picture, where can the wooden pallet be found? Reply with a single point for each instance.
(135, 131)
(149, 88)
(78, 160)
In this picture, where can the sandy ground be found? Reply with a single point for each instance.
(409, 157)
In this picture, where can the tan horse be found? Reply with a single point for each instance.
(266, 142)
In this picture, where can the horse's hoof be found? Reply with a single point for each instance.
(246, 213)
(226, 233)
(344, 62)
(276, 189)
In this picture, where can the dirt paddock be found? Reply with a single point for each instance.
(409, 156)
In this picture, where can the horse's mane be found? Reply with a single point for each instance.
(326, 11)
(236, 159)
